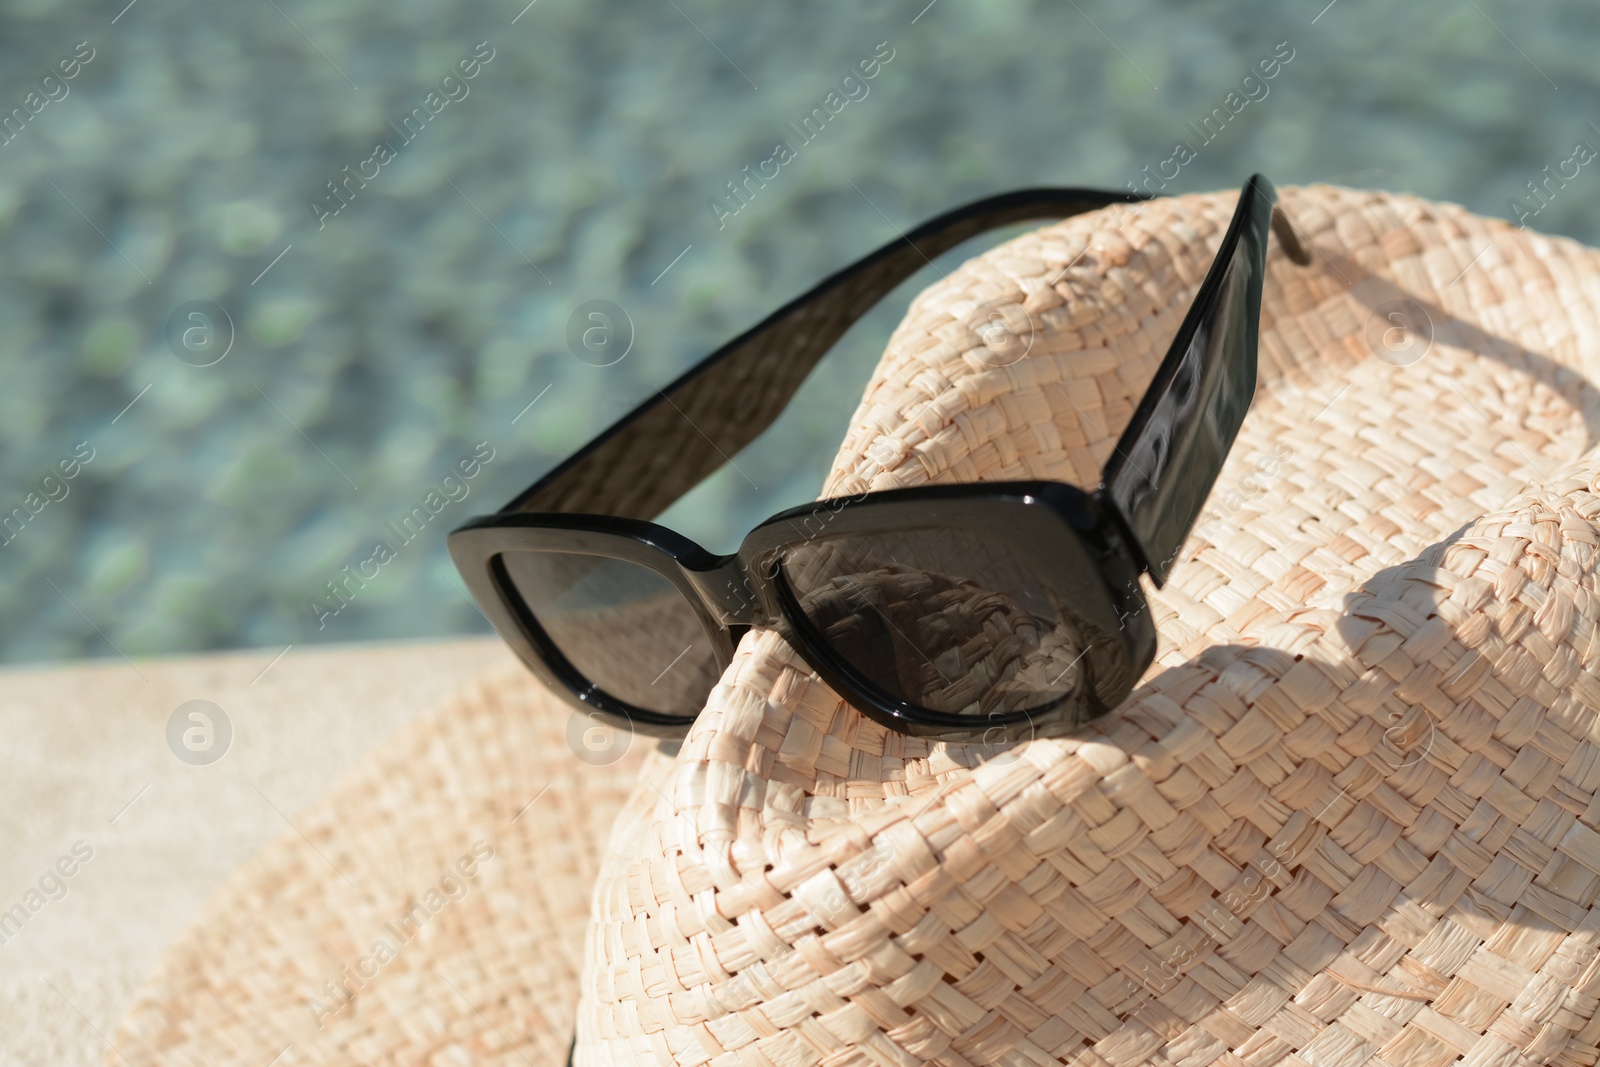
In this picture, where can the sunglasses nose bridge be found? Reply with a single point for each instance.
(728, 592)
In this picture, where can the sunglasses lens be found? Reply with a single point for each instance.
(948, 620)
(624, 627)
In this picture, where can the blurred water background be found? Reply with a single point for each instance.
(374, 349)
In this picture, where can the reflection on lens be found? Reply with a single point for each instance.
(945, 619)
(624, 627)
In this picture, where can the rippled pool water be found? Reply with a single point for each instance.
(390, 213)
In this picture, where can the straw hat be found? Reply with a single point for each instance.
(1349, 817)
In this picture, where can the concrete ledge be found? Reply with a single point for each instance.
(85, 758)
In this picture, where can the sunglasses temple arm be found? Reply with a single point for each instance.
(1167, 460)
(674, 439)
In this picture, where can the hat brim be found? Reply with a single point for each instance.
(429, 908)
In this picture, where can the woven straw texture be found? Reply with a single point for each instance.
(1350, 817)
(466, 847)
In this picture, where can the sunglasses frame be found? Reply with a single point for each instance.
(1059, 532)
(1094, 543)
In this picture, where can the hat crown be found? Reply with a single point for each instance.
(1339, 790)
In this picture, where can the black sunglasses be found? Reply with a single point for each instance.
(992, 608)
